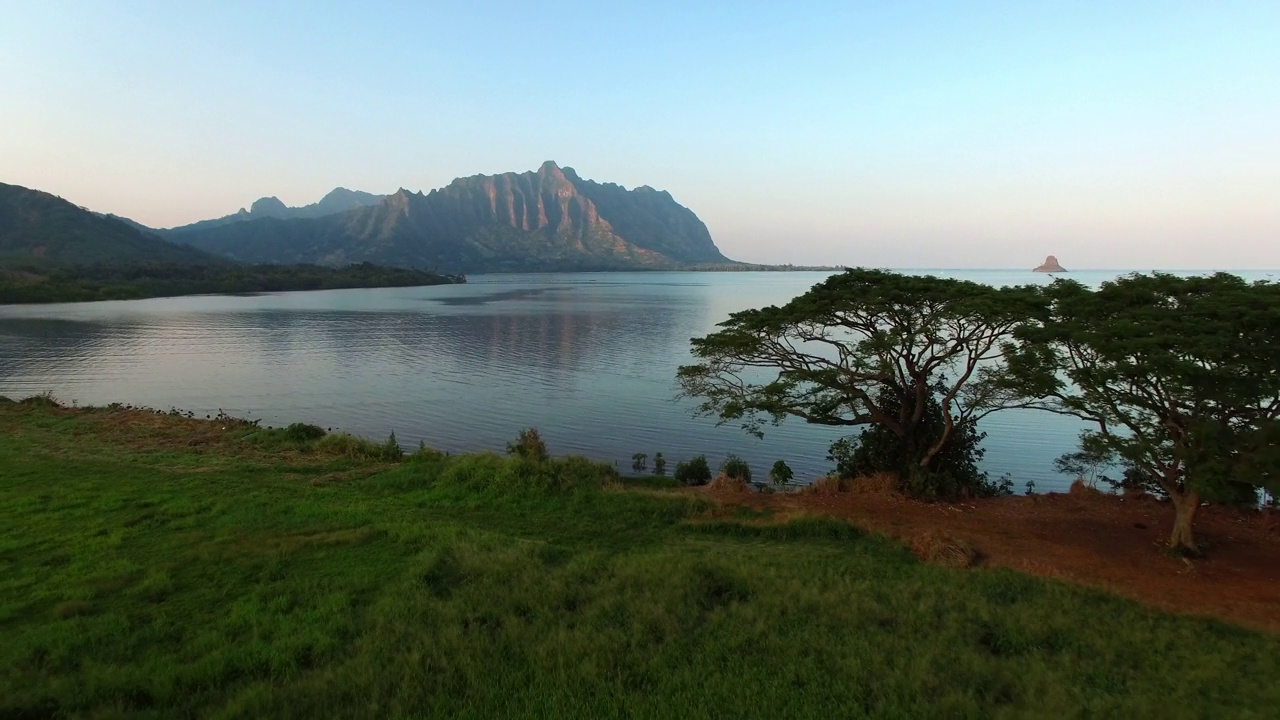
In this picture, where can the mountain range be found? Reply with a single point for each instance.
(549, 219)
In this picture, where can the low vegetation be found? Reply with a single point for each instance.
(79, 283)
(156, 565)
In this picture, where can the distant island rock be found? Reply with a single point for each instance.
(1050, 265)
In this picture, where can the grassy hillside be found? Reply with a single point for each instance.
(39, 229)
(159, 566)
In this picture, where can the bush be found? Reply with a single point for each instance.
(492, 472)
(302, 432)
(391, 449)
(44, 399)
(693, 472)
(427, 454)
(344, 445)
(736, 468)
(6, 401)
(954, 474)
(529, 445)
(780, 474)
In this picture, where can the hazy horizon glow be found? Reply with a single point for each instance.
(891, 134)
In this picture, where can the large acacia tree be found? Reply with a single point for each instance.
(864, 347)
(1178, 377)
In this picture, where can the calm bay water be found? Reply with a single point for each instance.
(587, 358)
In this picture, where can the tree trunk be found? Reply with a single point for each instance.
(1185, 505)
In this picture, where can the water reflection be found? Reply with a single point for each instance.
(589, 359)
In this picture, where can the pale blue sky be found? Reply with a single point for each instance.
(903, 134)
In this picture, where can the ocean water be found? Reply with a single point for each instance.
(589, 359)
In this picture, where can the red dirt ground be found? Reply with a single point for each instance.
(1103, 541)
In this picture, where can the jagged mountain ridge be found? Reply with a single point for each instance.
(548, 219)
(338, 200)
(42, 230)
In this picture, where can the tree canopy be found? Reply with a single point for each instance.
(864, 347)
(1177, 375)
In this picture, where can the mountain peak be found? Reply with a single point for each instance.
(268, 207)
(551, 169)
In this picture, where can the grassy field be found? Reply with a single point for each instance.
(154, 566)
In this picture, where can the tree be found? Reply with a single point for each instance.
(659, 464)
(954, 474)
(865, 347)
(529, 445)
(1177, 375)
(638, 462)
(780, 474)
(693, 472)
(736, 468)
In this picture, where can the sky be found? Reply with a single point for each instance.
(1140, 135)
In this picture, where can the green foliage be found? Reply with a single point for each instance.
(391, 449)
(528, 445)
(953, 475)
(693, 472)
(866, 348)
(303, 432)
(142, 279)
(1176, 373)
(638, 462)
(780, 474)
(1086, 464)
(350, 446)
(659, 464)
(44, 399)
(145, 577)
(736, 468)
(489, 472)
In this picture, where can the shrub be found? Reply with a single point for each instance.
(391, 449)
(302, 432)
(693, 472)
(344, 445)
(953, 474)
(659, 464)
(528, 445)
(427, 454)
(736, 468)
(44, 399)
(6, 401)
(489, 471)
(724, 483)
(780, 474)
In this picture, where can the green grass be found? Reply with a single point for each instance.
(159, 569)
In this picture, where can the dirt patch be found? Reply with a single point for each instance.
(1103, 541)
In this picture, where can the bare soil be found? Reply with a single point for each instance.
(1113, 543)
